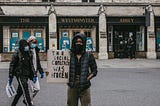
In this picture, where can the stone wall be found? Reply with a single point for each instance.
(76, 10)
(116, 1)
(8, 56)
(140, 55)
(125, 10)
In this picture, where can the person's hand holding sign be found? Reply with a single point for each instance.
(47, 72)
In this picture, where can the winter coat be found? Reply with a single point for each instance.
(87, 65)
(17, 65)
(39, 67)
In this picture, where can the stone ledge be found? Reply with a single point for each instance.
(8, 56)
(78, 3)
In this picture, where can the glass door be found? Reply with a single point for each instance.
(120, 44)
(120, 39)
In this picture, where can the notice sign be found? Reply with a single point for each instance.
(58, 66)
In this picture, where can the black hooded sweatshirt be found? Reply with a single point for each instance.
(21, 64)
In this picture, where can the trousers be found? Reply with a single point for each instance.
(22, 90)
(73, 96)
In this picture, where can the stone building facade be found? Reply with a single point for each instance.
(107, 25)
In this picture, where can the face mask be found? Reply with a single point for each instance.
(26, 48)
(33, 45)
(78, 48)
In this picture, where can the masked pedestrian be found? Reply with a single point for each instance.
(22, 68)
(37, 65)
(83, 68)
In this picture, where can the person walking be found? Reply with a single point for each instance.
(22, 68)
(83, 68)
(35, 86)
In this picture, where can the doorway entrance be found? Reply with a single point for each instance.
(120, 38)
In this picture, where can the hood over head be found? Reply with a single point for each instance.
(22, 44)
(81, 36)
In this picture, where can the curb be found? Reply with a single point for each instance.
(112, 63)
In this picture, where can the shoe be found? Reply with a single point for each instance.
(26, 103)
(32, 103)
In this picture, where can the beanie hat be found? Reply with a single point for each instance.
(31, 38)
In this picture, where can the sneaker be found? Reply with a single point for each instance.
(26, 103)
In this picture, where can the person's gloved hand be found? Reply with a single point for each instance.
(42, 75)
(10, 80)
(35, 79)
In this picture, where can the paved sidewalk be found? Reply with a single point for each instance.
(129, 63)
(112, 63)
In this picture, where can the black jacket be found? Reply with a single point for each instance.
(17, 65)
(87, 66)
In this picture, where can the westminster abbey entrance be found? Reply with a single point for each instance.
(119, 29)
(120, 38)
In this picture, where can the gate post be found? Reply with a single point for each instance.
(103, 52)
(151, 50)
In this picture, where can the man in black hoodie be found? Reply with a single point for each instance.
(80, 75)
(22, 67)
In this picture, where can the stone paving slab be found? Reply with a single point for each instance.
(129, 63)
(112, 63)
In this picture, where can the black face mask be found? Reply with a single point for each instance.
(78, 49)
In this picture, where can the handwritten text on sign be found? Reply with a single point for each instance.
(58, 66)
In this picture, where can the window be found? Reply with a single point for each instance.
(64, 40)
(75, 32)
(140, 39)
(52, 0)
(41, 39)
(110, 38)
(91, 0)
(67, 34)
(158, 39)
(88, 0)
(11, 43)
(84, 0)
(14, 41)
(48, 0)
(44, 0)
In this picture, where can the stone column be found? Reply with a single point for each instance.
(52, 28)
(151, 50)
(6, 38)
(103, 53)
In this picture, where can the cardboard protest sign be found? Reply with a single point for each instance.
(58, 66)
